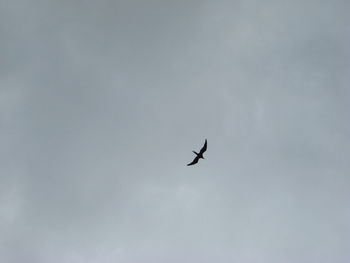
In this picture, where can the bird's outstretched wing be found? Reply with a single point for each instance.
(195, 160)
(204, 148)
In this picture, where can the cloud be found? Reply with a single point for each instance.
(101, 104)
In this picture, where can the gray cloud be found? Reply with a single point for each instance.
(102, 102)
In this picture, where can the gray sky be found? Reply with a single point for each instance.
(102, 102)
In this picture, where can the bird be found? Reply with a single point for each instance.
(199, 155)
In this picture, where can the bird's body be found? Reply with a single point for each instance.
(199, 155)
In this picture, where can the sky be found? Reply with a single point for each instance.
(103, 102)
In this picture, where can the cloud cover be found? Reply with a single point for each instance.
(102, 102)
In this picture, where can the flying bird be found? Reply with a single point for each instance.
(199, 155)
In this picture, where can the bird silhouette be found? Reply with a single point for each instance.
(199, 155)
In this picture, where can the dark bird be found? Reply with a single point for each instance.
(199, 155)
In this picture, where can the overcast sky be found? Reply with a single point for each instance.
(102, 103)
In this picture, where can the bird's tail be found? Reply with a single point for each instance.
(195, 152)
